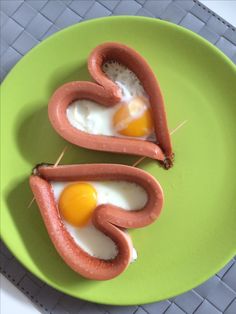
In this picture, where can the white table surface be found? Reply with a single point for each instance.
(12, 299)
(225, 9)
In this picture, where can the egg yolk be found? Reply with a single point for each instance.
(134, 118)
(77, 203)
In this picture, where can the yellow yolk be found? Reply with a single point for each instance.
(77, 203)
(134, 118)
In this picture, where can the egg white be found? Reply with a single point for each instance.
(92, 118)
(127, 195)
(88, 116)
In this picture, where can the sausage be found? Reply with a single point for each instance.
(107, 93)
(107, 218)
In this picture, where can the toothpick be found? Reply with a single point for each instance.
(31, 202)
(60, 157)
(178, 127)
(137, 162)
(54, 166)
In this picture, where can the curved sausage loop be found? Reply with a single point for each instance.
(107, 93)
(107, 218)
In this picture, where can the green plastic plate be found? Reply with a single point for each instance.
(195, 235)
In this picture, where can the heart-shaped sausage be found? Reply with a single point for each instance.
(107, 93)
(107, 218)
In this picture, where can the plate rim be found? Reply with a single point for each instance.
(120, 17)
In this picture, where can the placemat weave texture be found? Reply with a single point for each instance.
(23, 25)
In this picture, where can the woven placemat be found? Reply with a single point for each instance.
(23, 25)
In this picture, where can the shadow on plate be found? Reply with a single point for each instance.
(38, 142)
(67, 74)
(36, 241)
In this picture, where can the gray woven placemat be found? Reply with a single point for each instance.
(23, 25)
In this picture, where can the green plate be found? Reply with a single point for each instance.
(196, 233)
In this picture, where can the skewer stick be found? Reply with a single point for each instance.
(178, 127)
(137, 162)
(54, 166)
(31, 202)
(60, 157)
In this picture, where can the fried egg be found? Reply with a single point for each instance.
(76, 202)
(131, 117)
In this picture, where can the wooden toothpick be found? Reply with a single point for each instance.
(137, 162)
(54, 166)
(31, 202)
(178, 127)
(60, 157)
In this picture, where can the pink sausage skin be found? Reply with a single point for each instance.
(107, 93)
(107, 218)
